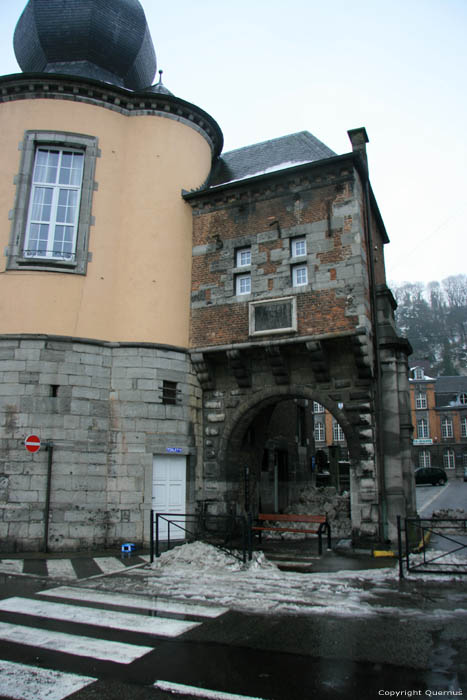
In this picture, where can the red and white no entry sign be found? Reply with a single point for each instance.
(32, 443)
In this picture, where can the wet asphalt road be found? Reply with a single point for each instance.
(282, 657)
(415, 644)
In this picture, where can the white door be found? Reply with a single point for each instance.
(169, 493)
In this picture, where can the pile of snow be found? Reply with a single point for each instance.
(324, 501)
(459, 528)
(205, 557)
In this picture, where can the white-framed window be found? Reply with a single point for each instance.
(419, 373)
(420, 400)
(298, 247)
(320, 432)
(299, 275)
(243, 257)
(54, 204)
(424, 458)
(463, 399)
(423, 430)
(52, 217)
(464, 426)
(446, 428)
(243, 284)
(317, 407)
(337, 432)
(449, 459)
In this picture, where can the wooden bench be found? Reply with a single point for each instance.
(320, 521)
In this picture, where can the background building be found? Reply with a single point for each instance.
(439, 411)
(169, 314)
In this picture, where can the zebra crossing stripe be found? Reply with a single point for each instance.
(72, 644)
(200, 692)
(129, 622)
(135, 601)
(61, 568)
(110, 565)
(11, 566)
(22, 682)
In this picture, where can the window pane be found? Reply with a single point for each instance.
(46, 166)
(243, 284)
(63, 242)
(71, 169)
(298, 247)
(243, 257)
(300, 276)
(41, 205)
(38, 237)
(66, 209)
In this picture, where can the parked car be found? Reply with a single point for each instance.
(430, 475)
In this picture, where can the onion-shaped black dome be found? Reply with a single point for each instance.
(106, 40)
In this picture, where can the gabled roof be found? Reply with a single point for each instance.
(268, 156)
(454, 385)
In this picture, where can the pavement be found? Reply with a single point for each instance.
(295, 555)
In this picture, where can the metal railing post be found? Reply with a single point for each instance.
(151, 533)
(399, 544)
(157, 535)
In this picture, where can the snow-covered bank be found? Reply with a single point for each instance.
(200, 572)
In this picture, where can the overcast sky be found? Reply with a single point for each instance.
(264, 68)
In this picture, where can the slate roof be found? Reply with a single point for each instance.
(105, 40)
(268, 156)
(447, 390)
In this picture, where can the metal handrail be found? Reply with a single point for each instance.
(433, 526)
(198, 531)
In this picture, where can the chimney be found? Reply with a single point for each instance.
(359, 139)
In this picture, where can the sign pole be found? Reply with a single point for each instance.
(50, 453)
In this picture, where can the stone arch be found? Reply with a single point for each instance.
(237, 422)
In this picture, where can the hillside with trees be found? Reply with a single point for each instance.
(434, 319)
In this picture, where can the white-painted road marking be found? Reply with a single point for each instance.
(101, 618)
(200, 692)
(31, 683)
(135, 601)
(110, 565)
(61, 568)
(14, 566)
(72, 644)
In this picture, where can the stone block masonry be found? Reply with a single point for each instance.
(102, 407)
(325, 212)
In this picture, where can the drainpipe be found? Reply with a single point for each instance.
(359, 139)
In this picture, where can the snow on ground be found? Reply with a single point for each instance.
(200, 572)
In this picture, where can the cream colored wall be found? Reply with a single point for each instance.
(137, 287)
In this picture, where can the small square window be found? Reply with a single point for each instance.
(298, 247)
(243, 284)
(299, 275)
(169, 392)
(243, 257)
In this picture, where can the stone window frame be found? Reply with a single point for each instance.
(238, 284)
(320, 431)
(423, 428)
(34, 139)
(424, 458)
(338, 434)
(419, 373)
(447, 430)
(294, 243)
(273, 331)
(421, 400)
(239, 252)
(464, 426)
(449, 458)
(296, 270)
